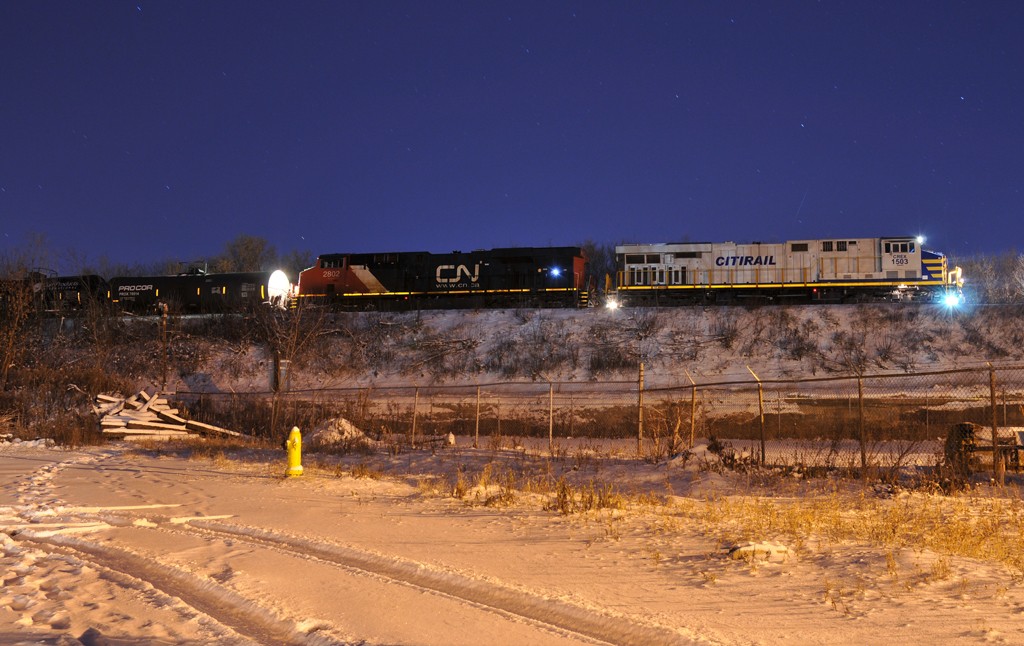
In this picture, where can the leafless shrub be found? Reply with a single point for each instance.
(725, 327)
(609, 352)
(798, 340)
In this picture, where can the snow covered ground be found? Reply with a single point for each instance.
(513, 543)
(467, 546)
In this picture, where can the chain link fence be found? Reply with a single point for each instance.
(856, 422)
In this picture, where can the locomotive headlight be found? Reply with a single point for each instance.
(278, 287)
(611, 304)
(952, 300)
(556, 272)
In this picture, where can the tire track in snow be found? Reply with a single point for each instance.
(559, 614)
(37, 502)
(203, 595)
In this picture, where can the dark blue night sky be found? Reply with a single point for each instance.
(141, 131)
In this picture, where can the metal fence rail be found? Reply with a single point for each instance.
(855, 421)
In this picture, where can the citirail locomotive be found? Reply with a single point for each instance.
(834, 270)
(505, 277)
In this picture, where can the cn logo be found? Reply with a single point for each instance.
(451, 274)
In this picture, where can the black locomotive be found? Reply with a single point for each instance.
(504, 277)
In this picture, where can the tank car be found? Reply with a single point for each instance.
(64, 293)
(504, 277)
(198, 291)
(828, 270)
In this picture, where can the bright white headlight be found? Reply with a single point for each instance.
(278, 286)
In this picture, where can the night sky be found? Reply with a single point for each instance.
(142, 131)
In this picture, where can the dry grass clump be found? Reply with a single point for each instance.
(362, 470)
(591, 496)
(493, 486)
(217, 449)
(972, 526)
(52, 401)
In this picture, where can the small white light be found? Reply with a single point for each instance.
(612, 304)
(920, 239)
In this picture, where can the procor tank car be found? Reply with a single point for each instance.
(198, 291)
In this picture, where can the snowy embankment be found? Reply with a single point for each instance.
(596, 345)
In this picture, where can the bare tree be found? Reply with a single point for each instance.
(1018, 279)
(246, 253)
(992, 278)
(17, 302)
(294, 262)
(289, 335)
(601, 260)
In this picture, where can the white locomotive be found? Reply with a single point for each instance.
(832, 270)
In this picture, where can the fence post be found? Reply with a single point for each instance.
(998, 474)
(860, 428)
(415, 406)
(778, 413)
(551, 418)
(476, 434)
(693, 405)
(640, 413)
(760, 409)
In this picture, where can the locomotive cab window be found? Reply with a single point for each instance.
(798, 247)
(900, 247)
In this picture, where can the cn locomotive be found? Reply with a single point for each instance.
(834, 270)
(504, 277)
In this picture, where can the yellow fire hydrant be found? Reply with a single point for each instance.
(294, 447)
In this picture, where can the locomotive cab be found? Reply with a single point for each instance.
(900, 258)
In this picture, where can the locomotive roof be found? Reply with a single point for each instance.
(496, 251)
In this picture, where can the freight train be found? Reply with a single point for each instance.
(834, 270)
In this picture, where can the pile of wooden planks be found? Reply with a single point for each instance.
(145, 416)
